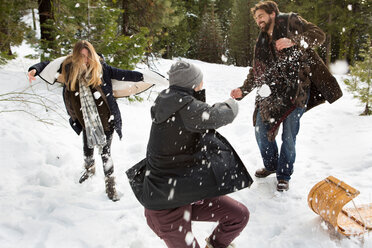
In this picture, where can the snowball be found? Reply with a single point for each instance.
(340, 67)
(264, 91)
(96, 95)
(189, 238)
(224, 58)
(187, 215)
(304, 44)
(171, 194)
(205, 116)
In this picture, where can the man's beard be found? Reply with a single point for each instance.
(267, 25)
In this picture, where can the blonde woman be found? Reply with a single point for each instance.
(89, 100)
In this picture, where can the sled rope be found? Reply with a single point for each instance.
(362, 222)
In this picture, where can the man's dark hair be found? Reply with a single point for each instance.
(268, 6)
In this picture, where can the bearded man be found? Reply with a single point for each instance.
(291, 78)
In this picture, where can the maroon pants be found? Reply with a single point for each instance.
(174, 225)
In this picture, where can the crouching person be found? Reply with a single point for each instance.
(189, 167)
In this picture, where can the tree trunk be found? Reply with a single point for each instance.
(45, 14)
(249, 54)
(33, 18)
(125, 24)
(367, 110)
(329, 42)
(350, 54)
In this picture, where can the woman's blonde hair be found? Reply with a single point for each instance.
(76, 64)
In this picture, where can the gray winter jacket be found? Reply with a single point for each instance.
(187, 160)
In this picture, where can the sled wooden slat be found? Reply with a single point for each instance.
(327, 199)
(361, 215)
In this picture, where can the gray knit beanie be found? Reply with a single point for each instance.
(185, 75)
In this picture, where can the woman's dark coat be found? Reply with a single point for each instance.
(187, 160)
(108, 73)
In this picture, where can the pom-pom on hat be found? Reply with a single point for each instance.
(185, 75)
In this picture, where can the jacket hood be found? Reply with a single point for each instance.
(170, 101)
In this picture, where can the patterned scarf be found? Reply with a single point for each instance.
(93, 125)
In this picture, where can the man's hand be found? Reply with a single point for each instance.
(31, 75)
(236, 93)
(283, 43)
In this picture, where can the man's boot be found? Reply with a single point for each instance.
(90, 169)
(110, 188)
(282, 185)
(263, 172)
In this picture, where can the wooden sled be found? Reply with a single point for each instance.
(327, 199)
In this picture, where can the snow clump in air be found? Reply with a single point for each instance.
(264, 91)
(340, 67)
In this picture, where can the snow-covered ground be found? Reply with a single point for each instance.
(42, 204)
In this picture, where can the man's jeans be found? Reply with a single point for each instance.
(282, 163)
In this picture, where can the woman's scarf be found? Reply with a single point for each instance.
(93, 125)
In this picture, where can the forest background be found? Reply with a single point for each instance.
(217, 31)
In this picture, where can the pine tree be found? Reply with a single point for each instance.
(356, 25)
(152, 14)
(210, 45)
(243, 34)
(224, 9)
(97, 22)
(224, 13)
(173, 38)
(157, 16)
(47, 26)
(12, 29)
(361, 82)
(174, 41)
(120, 50)
(345, 22)
(194, 13)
